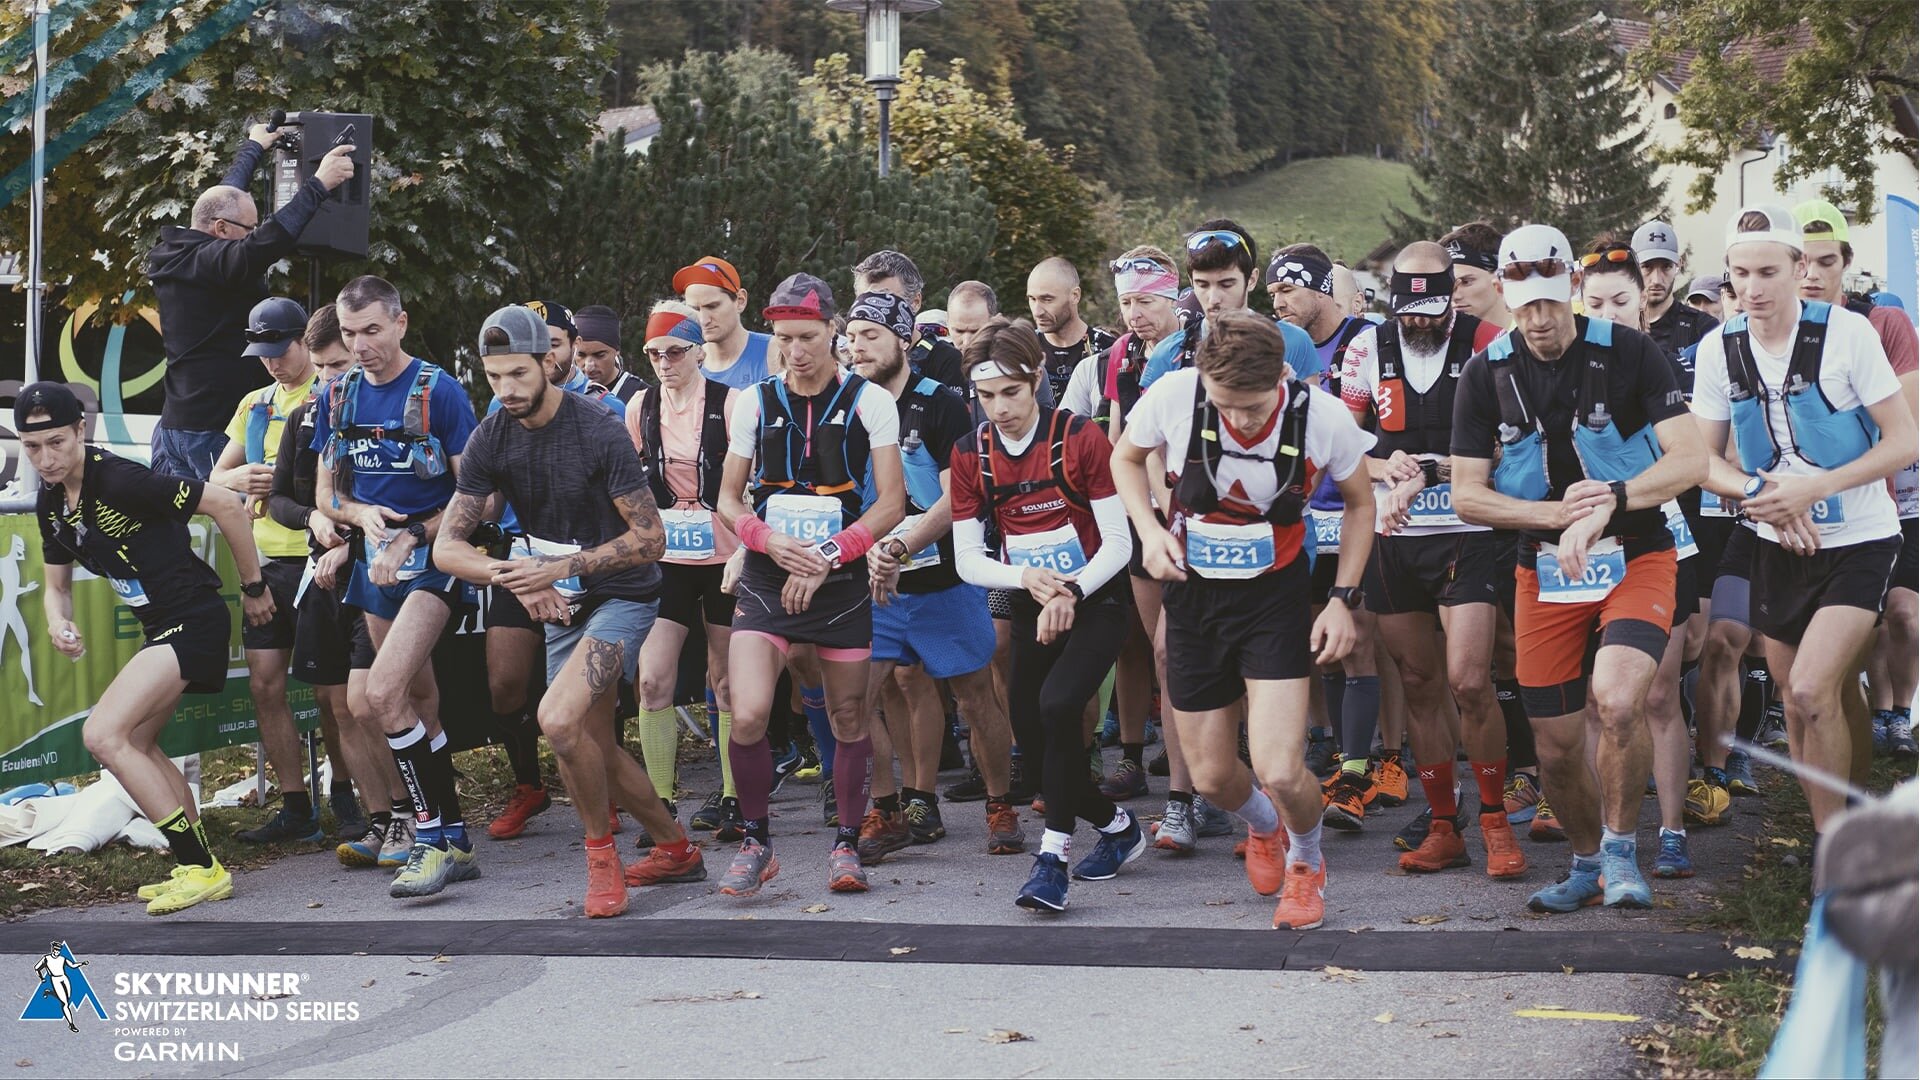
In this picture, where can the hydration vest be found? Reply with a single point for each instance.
(1060, 425)
(835, 465)
(1343, 337)
(1198, 492)
(1604, 453)
(921, 468)
(713, 446)
(1412, 421)
(1825, 437)
(424, 452)
(1131, 352)
(260, 416)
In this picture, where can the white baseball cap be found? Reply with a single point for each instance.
(1782, 227)
(1535, 244)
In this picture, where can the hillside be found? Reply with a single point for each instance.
(1339, 203)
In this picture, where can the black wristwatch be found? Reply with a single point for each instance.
(1619, 496)
(418, 532)
(1073, 587)
(1349, 595)
(254, 589)
(1430, 472)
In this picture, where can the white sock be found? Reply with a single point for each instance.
(1121, 819)
(1664, 831)
(1259, 814)
(1305, 848)
(1608, 835)
(1055, 843)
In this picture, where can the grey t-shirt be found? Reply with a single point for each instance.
(561, 480)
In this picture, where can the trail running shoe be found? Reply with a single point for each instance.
(1900, 741)
(1415, 833)
(527, 800)
(1389, 781)
(149, 892)
(784, 766)
(190, 885)
(661, 868)
(1046, 887)
(1303, 898)
(923, 821)
(1740, 779)
(707, 818)
(1347, 801)
(284, 828)
(1267, 861)
(733, 827)
(1210, 820)
(1707, 803)
(1580, 888)
(364, 851)
(1129, 781)
(1176, 832)
(1004, 835)
(972, 789)
(1442, 849)
(1322, 756)
(1881, 718)
(882, 834)
(1504, 859)
(1673, 861)
(606, 885)
(829, 802)
(843, 870)
(431, 868)
(398, 846)
(1160, 766)
(1114, 851)
(1620, 869)
(753, 866)
(1546, 825)
(1522, 799)
(350, 822)
(1773, 729)
(809, 770)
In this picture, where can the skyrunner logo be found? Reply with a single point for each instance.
(64, 990)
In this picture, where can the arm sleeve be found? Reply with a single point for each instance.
(1116, 544)
(1476, 411)
(245, 164)
(281, 505)
(1356, 372)
(971, 560)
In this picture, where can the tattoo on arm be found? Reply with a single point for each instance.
(463, 513)
(644, 542)
(603, 666)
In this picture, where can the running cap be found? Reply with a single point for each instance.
(58, 402)
(526, 332)
(1533, 245)
(1822, 211)
(1781, 228)
(1707, 285)
(710, 270)
(557, 316)
(1655, 240)
(274, 324)
(801, 296)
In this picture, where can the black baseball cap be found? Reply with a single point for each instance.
(58, 402)
(274, 324)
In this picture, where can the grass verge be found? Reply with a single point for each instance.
(1339, 203)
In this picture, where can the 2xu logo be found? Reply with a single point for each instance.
(64, 990)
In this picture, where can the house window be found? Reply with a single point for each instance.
(1671, 110)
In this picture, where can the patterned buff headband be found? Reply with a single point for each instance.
(674, 325)
(1301, 271)
(1140, 275)
(886, 309)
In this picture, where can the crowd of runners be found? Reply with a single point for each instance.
(1537, 539)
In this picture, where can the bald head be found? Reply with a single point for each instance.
(1053, 297)
(222, 203)
(1055, 271)
(1422, 257)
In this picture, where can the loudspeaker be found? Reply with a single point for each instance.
(340, 225)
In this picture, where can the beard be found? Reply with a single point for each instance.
(532, 405)
(1426, 341)
(885, 370)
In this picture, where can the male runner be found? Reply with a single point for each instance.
(583, 566)
(970, 306)
(893, 272)
(1473, 247)
(1593, 436)
(597, 351)
(806, 439)
(734, 355)
(1053, 298)
(1675, 326)
(390, 437)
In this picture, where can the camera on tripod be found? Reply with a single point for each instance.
(339, 228)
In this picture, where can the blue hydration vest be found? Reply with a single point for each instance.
(1605, 454)
(921, 467)
(424, 451)
(259, 416)
(1824, 436)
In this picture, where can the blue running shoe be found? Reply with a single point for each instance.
(1110, 729)
(1740, 779)
(1900, 742)
(784, 766)
(1881, 719)
(1114, 851)
(1046, 887)
(1580, 888)
(1673, 860)
(1620, 866)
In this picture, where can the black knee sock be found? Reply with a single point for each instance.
(1132, 751)
(411, 754)
(1756, 693)
(1520, 751)
(439, 781)
(1334, 693)
(521, 736)
(1359, 715)
(297, 803)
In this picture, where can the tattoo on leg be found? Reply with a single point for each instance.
(603, 666)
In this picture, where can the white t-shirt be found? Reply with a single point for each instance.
(1360, 383)
(1083, 386)
(874, 407)
(1853, 371)
(1163, 417)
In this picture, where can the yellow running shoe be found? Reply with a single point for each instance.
(150, 892)
(1707, 804)
(193, 885)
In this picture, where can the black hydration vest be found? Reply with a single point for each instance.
(1414, 422)
(838, 463)
(1197, 491)
(713, 446)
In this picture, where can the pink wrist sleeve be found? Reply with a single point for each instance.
(753, 533)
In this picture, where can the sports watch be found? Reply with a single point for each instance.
(1619, 496)
(1349, 595)
(418, 532)
(1754, 484)
(254, 589)
(829, 549)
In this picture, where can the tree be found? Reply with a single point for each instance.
(477, 106)
(1041, 208)
(1558, 139)
(1092, 87)
(1198, 143)
(1849, 67)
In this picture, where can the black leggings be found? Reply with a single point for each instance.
(1051, 687)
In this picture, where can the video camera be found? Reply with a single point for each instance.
(340, 225)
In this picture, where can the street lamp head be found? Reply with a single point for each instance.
(882, 22)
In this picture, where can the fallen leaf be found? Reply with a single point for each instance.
(1001, 1036)
(32, 885)
(1358, 929)
(1784, 841)
(1568, 1014)
(316, 904)
(901, 950)
(366, 984)
(1426, 920)
(23, 1063)
(1753, 952)
(1384, 1018)
(814, 909)
(1567, 968)
(1331, 972)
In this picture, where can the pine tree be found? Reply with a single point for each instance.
(1536, 122)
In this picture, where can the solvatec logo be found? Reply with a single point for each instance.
(64, 991)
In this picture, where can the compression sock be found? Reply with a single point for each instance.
(1262, 818)
(1689, 678)
(850, 786)
(297, 804)
(1121, 819)
(1334, 692)
(753, 771)
(1755, 684)
(1055, 842)
(1520, 752)
(522, 739)
(1359, 715)
(713, 717)
(440, 778)
(1437, 781)
(813, 702)
(1491, 778)
(1305, 847)
(659, 743)
(727, 788)
(410, 753)
(187, 839)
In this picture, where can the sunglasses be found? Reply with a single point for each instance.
(269, 337)
(1546, 268)
(1215, 236)
(674, 354)
(1612, 255)
(1136, 265)
(240, 225)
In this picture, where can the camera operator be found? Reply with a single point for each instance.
(206, 278)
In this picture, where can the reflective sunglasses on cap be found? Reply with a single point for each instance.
(1215, 236)
(1546, 268)
(1139, 264)
(269, 337)
(1612, 255)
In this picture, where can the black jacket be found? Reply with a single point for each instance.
(205, 288)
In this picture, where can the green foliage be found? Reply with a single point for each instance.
(1558, 139)
(1334, 202)
(1042, 209)
(1833, 104)
(478, 108)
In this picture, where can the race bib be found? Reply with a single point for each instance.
(527, 547)
(130, 591)
(1681, 531)
(1906, 491)
(1606, 569)
(1057, 550)
(1712, 505)
(1229, 552)
(809, 519)
(1433, 506)
(415, 565)
(1828, 513)
(1326, 530)
(919, 560)
(689, 534)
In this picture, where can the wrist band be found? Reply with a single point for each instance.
(854, 541)
(753, 533)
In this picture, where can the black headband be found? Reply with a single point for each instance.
(1422, 294)
(1472, 256)
(1304, 271)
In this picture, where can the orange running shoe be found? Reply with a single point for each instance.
(606, 888)
(1442, 849)
(843, 870)
(1504, 858)
(527, 800)
(660, 868)
(1303, 899)
(1240, 848)
(1346, 801)
(881, 834)
(1004, 835)
(613, 818)
(1267, 861)
(1389, 781)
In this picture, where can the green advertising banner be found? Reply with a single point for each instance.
(45, 697)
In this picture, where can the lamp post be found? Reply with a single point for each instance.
(881, 19)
